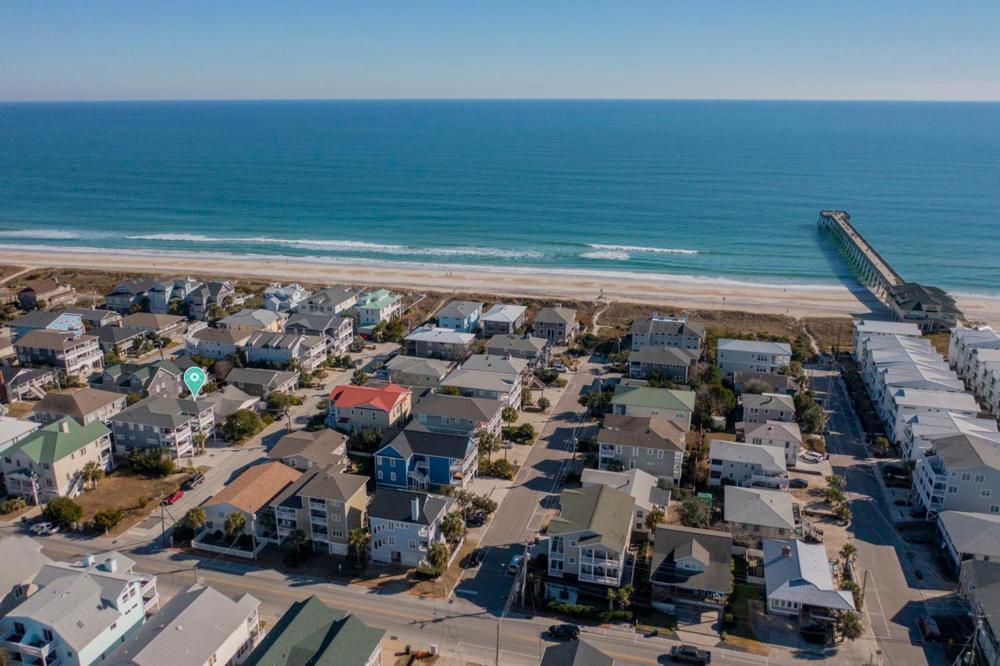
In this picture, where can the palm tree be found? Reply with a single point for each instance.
(848, 552)
(195, 518)
(654, 518)
(453, 527)
(235, 522)
(92, 473)
(357, 543)
(199, 442)
(849, 625)
(487, 444)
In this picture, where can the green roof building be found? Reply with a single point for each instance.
(310, 633)
(49, 462)
(634, 398)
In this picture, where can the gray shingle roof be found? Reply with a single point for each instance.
(755, 346)
(972, 533)
(160, 412)
(674, 542)
(758, 506)
(395, 505)
(456, 406)
(459, 309)
(601, 510)
(321, 484)
(416, 438)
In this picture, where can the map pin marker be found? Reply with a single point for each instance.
(194, 379)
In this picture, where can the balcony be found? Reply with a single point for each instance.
(150, 595)
(15, 643)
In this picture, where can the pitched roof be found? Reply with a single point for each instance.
(648, 432)
(322, 484)
(710, 547)
(58, 439)
(133, 286)
(416, 438)
(321, 446)
(204, 617)
(22, 559)
(514, 342)
(664, 356)
(221, 336)
(151, 321)
(972, 533)
(770, 458)
(915, 297)
(417, 365)
(667, 326)
(273, 340)
(642, 486)
(228, 401)
(783, 430)
(872, 326)
(575, 653)
(800, 572)
(907, 397)
(495, 363)
(114, 335)
(247, 317)
(259, 376)
(11, 428)
(76, 402)
(457, 406)
(645, 396)
(459, 309)
(556, 315)
(758, 506)
(504, 312)
(390, 504)
(313, 634)
(256, 487)
(768, 401)
(46, 339)
(333, 294)
(383, 398)
(485, 381)
(41, 286)
(755, 346)
(36, 319)
(438, 335)
(981, 580)
(161, 412)
(602, 510)
(313, 321)
(967, 450)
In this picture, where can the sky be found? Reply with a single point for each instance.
(661, 49)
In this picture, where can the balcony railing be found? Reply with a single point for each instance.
(14, 642)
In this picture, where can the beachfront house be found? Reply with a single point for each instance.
(419, 458)
(330, 301)
(461, 316)
(691, 569)
(748, 465)
(437, 342)
(784, 435)
(650, 443)
(377, 306)
(930, 308)
(459, 414)
(356, 407)
(324, 505)
(70, 355)
(588, 539)
(168, 425)
(287, 298)
(201, 300)
(418, 372)
(556, 324)
(752, 356)
(667, 331)
(83, 404)
(280, 349)
(130, 295)
(170, 296)
(42, 294)
(404, 523)
(771, 382)
(502, 319)
(338, 331)
(636, 399)
(49, 462)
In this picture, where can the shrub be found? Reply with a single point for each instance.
(62, 511)
(12, 504)
(150, 463)
(242, 424)
(695, 512)
(105, 520)
(500, 469)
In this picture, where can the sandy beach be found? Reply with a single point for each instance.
(664, 290)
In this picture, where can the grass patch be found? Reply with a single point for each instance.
(738, 609)
(135, 495)
(663, 624)
(441, 586)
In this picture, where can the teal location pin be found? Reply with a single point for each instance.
(194, 379)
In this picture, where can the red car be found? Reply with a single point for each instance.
(173, 497)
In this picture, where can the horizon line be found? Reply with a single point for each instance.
(832, 100)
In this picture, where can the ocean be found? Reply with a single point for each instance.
(702, 190)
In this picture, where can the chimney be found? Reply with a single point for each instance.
(415, 509)
(64, 425)
(786, 550)
(88, 561)
(110, 565)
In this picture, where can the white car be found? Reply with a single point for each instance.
(41, 529)
(811, 456)
(515, 564)
(559, 367)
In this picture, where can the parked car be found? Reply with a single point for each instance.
(690, 654)
(566, 632)
(515, 564)
(476, 519)
(811, 456)
(477, 557)
(559, 367)
(193, 481)
(798, 483)
(43, 529)
(173, 497)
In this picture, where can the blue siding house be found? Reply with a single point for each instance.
(419, 458)
(461, 316)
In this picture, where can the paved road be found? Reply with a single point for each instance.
(893, 600)
(465, 632)
(522, 511)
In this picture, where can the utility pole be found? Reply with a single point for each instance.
(163, 529)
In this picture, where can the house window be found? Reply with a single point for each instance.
(952, 490)
(980, 478)
(392, 475)
(380, 475)
(966, 476)
(995, 508)
(985, 492)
